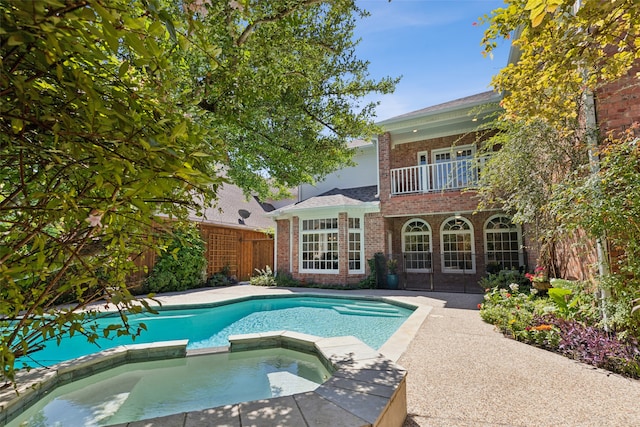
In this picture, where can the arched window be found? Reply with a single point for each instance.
(458, 248)
(416, 244)
(503, 242)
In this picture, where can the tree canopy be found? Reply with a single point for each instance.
(562, 51)
(115, 114)
(548, 172)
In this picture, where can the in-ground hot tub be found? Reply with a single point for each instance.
(364, 389)
(157, 388)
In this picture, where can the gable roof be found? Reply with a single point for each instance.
(337, 198)
(455, 117)
(362, 194)
(456, 104)
(234, 209)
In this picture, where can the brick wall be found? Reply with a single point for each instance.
(617, 109)
(289, 257)
(576, 257)
(404, 155)
(374, 235)
(618, 103)
(283, 245)
(443, 201)
(384, 142)
(439, 280)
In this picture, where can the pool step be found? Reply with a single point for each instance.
(377, 306)
(361, 308)
(364, 312)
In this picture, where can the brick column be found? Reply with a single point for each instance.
(384, 159)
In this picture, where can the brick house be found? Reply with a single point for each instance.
(408, 198)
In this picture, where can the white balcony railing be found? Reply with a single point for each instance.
(454, 175)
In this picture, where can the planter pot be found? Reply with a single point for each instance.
(392, 281)
(541, 286)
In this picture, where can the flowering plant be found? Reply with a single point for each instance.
(539, 275)
(392, 265)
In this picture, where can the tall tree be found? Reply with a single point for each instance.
(565, 51)
(115, 114)
(524, 176)
(564, 48)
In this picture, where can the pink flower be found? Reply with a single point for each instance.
(94, 218)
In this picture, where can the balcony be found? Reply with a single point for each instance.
(441, 176)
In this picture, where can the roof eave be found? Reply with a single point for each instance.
(285, 212)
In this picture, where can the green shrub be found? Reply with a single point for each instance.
(181, 265)
(619, 306)
(222, 278)
(511, 311)
(504, 278)
(263, 278)
(286, 280)
(370, 282)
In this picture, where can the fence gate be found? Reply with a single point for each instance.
(262, 254)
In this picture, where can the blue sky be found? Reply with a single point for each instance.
(433, 44)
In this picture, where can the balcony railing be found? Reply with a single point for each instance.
(454, 175)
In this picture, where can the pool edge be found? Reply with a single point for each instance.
(365, 388)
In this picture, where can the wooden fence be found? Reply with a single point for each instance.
(243, 251)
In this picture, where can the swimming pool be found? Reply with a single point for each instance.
(153, 389)
(372, 321)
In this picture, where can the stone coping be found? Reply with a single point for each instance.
(366, 389)
(34, 384)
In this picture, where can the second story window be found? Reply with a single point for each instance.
(453, 167)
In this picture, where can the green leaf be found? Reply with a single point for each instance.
(15, 40)
(124, 67)
(17, 125)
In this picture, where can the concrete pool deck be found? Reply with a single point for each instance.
(461, 372)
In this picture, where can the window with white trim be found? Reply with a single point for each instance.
(453, 168)
(416, 244)
(319, 245)
(503, 242)
(355, 245)
(458, 248)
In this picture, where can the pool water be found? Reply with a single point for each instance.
(371, 321)
(153, 389)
